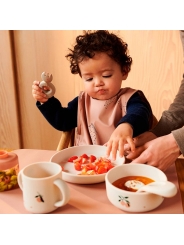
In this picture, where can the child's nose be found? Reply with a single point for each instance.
(99, 82)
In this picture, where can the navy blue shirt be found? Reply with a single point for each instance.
(138, 114)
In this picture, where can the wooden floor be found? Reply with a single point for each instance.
(180, 172)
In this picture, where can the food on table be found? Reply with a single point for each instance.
(8, 179)
(132, 183)
(91, 165)
(9, 168)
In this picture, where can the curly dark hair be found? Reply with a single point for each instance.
(99, 41)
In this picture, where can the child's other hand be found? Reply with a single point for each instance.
(122, 135)
(38, 93)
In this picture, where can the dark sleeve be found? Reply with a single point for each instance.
(139, 114)
(61, 118)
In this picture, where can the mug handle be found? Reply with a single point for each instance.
(52, 90)
(19, 180)
(64, 191)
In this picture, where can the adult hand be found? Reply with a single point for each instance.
(122, 135)
(160, 152)
(38, 93)
(139, 141)
(143, 138)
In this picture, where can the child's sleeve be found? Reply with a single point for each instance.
(138, 114)
(61, 118)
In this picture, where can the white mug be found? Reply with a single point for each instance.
(43, 188)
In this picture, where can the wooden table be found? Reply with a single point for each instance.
(89, 199)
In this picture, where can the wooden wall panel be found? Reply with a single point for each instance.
(10, 135)
(38, 51)
(157, 70)
(157, 65)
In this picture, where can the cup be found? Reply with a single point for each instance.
(43, 188)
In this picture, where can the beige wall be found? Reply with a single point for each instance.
(157, 70)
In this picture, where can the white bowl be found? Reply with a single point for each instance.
(133, 201)
(69, 173)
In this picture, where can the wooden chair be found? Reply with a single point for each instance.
(66, 140)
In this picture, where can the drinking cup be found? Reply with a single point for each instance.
(43, 188)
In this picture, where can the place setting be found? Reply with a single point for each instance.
(49, 183)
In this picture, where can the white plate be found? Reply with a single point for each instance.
(69, 173)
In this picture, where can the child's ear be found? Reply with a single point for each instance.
(125, 76)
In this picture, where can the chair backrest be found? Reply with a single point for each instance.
(66, 140)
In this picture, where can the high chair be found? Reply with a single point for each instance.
(66, 140)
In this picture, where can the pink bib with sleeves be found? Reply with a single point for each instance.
(97, 119)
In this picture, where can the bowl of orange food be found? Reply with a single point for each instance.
(86, 164)
(137, 187)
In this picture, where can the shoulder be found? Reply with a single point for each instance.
(125, 94)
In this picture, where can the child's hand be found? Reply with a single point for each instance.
(37, 92)
(122, 135)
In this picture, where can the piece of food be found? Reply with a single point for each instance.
(72, 158)
(90, 165)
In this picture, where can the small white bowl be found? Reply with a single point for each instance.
(133, 201)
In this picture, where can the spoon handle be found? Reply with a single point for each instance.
(164, 188)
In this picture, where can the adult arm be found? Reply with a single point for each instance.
(172, 120)
(170, 133)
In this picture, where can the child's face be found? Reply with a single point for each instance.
(102, 76)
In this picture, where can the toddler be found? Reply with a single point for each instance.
(104, 113)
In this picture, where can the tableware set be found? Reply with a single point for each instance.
(44, 184)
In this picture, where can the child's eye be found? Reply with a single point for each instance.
(107, 76)
(89, 79)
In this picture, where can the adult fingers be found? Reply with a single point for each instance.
(135, 155)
